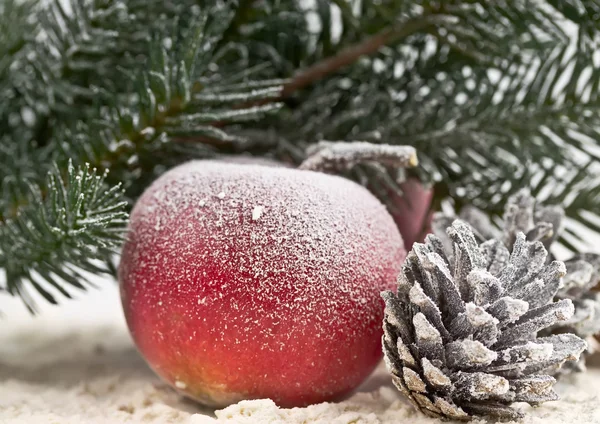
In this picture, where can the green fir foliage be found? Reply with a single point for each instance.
(98, 97)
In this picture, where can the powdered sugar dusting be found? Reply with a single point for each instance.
(309, 254)
(257, 212)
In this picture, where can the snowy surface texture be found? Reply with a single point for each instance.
(76, 364)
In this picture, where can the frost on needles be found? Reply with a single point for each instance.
(461, 335)
(489, 94)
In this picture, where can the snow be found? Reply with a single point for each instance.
(76, 364)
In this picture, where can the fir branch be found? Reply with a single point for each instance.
(479, 132)
(76, 225)
(16, 29)
(138, 86)
(243, 13)
(174, 97)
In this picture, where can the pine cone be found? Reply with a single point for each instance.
(543, 223)
(583, 274)
(461, 334)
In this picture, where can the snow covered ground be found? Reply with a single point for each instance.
(76, 364)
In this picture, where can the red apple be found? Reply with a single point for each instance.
(411, 211)
(253, 160)
(244, 281)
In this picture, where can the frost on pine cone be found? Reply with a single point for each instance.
(543, 223)
(461, 333)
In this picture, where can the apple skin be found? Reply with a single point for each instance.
(245, 282)
(411, 211)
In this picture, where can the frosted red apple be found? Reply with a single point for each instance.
(245, 281)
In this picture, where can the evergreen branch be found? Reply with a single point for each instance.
(16, 29)
(168, 100)
(173, 97)
(487, 92)
(460, 25)
(78, 223)
(81, 223)
(242, 14)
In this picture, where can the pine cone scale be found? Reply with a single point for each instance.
(527, 327)
(491, 409)
(497, 254)
(481, 386)
(508, 310)
(428, 406)
(469, 354)
(534, 389)
(428, 339)
(418, 297)
(449, 293)
(450, 410)
(413, 382)
(435, 376)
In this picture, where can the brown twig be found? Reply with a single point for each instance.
(351, 54)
